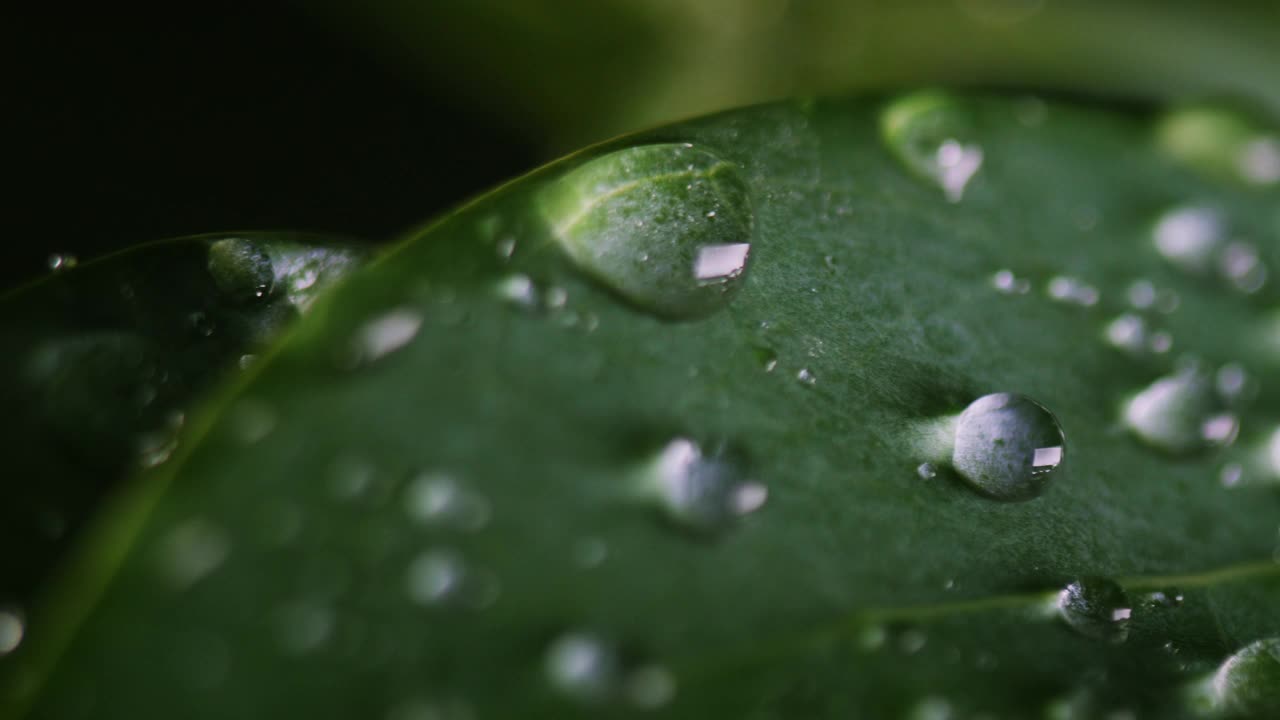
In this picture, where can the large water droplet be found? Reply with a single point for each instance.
(1007, 446)
(1096, 608)
(700, 491)
(926, 131)
(667, 227)
(241, 269)
(1181, 413)
(583, 666)
(1248, 683)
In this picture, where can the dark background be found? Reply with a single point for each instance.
(123, 127)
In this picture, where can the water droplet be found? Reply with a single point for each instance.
(1096, 608)
(700, 491)
(927, 471)
(1163, 600)
(424, 709)
(304, 627)
(1132, 335)
(767, 358)
(650, 686)
(192, 550)
(1180, 413)
(439, 500)
(667, 227)
(590, 553)
(925, 131)
(157, 446)
(241, 269)
(872, 637)
(910, 641)
(1071, 290)
(1006, 282)
(1234, 384)
(350, 477)
(62, 261)
(1259, 161)
(1242, 267)
(12, 630)
(582, 666)
(442, 578)
(1190, 237)
(383, 335)
(247, 360)
(1248, 683)
(251, 420)
(932, 708)
(1007, 446)
(806, 377)
(506, 247)
(520, 290)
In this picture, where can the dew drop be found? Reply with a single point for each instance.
(62, 261)
(1007, 446)
(192, 550)
(927, 471)
(12, 630)
(1234, 384)
(519, 290)
(1190, 237)
(925, 132)
(442, 578)
(440, 501)
(1242, 267)
(700, 491)
(251, 420)
(582, 666)
(932, 708)
(668, 227)
(241, 269)
(304, 627)
(1133, 335)
(1072, 291)
(1096, 608)
(650, 687)
(590, 553)
(201, 324)
(806, 377)
(1248, 682)
(1004, 281)
(350, 477)
(380, 337)
(1180, 413)
(1221, 141)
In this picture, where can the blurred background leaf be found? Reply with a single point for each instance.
(126, 125)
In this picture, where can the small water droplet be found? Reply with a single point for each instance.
(925, 131)
(590, 553)
(1096, 608)
(1071, 290)
(700, 491)
(872, 637)
(304, 627)
(12, 630)
(650, 686)
(1133, 335)
(1180, 413)
(665, 226)
(439, 500)
(1259, 160)
(932, 708)
(910, 641)
(582, 666)
(506, 247)
(241, 269)
(247, 360)
(1234, 384)
(350, 477)
(1248, 682)
(927, 471)
(1242, 267)
(442, 578)
(433, 709)
(1231, 475)
(62, 261)
(157, 446)
(192, 550)
(1164, 600)
(250, 420)
(806, 377)
(1007, 446)
(1004, 281)
(1221, 141)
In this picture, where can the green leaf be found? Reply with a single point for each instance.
(106, 357)
(490, 476)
